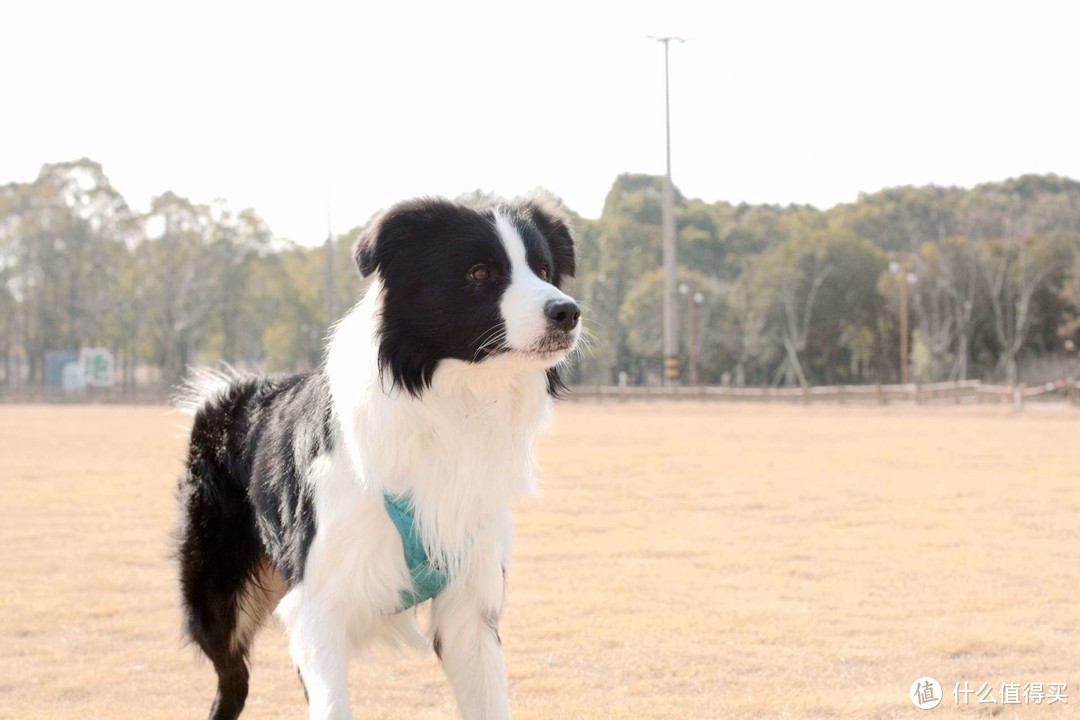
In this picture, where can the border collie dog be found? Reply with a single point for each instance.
(338, 499)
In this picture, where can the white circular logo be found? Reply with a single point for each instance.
(925, 693)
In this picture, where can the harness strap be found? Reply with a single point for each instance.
(427, 580)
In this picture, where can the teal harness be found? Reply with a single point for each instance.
(427, 580)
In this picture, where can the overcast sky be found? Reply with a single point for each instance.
(294, 109)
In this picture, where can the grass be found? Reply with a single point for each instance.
(685, 561)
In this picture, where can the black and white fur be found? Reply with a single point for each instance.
(436, 384)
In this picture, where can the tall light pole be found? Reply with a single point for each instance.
(693, 299)
(671, 307)
(901, 268)
(904, 377)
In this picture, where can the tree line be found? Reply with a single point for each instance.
(792, 295)
(780, 295)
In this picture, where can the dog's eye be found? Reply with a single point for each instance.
(545, 273)
(478, 273)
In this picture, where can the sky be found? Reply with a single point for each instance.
(330, 111)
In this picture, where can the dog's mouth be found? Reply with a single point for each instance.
(547, 353)
(486, 352)
(549, 349)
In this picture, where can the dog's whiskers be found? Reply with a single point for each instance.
(490, 338)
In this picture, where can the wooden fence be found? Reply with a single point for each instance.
(969, 392)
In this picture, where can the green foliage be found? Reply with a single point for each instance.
(789, 294)
(644, 304)
(770, 324)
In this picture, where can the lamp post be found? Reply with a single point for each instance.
(671, 313)
(899, 267)
(693, 299)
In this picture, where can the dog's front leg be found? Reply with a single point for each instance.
(317, 645)
(466, 638)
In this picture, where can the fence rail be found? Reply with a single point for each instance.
(29, 394)
(969, 392)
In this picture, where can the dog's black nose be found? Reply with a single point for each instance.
(563, 314)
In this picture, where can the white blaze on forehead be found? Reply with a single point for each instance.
(512, 243)
(523, 302)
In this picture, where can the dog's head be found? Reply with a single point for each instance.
(476, 285)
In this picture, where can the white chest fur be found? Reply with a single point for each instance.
(462, 451)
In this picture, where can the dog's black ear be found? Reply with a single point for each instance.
(551, 220)
(382, 236)
(366, 247)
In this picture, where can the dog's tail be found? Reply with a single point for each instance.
(205, 384)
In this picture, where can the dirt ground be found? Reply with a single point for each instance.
(685, 561)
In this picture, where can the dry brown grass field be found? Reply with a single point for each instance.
(684, 561)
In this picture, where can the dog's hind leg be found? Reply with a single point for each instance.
(225, 630)
(213, 622)
(233, 673)
(257, 599)
(227, 587)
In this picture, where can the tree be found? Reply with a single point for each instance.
(794, 294)
(183, 275)
(1069, 329)
(627, 246)
(1014, 270)
(794, 272)
(643, 305)
(63, 238)
(743, 328)
(943, 298)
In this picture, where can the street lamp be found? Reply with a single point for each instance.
(671, 313)
(899, 267)
(693, 299)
